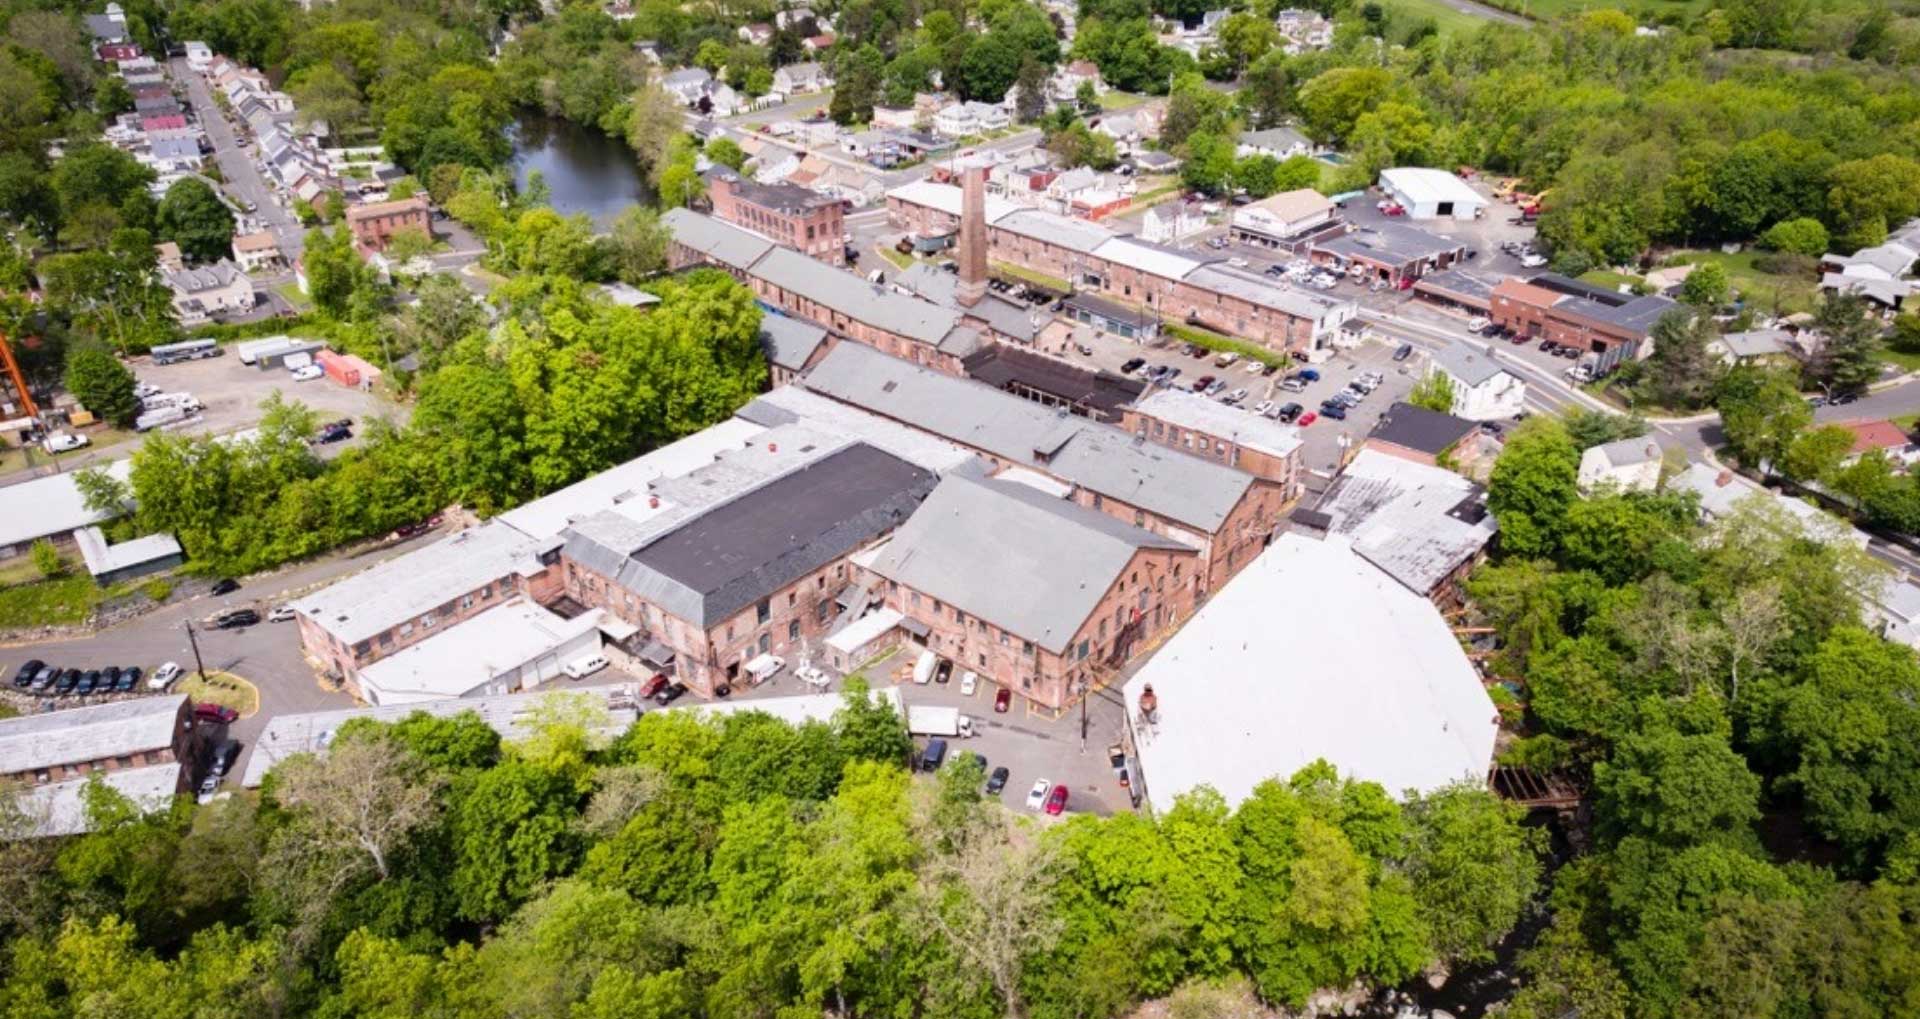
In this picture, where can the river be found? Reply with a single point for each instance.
(586, 171)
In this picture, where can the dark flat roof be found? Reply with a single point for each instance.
(1418, 428)
(1461, 285)
(998, 366)
(1580, 288)
(786, 198)
(1112, 311)
(743, 551)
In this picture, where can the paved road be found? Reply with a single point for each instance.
(243, 176)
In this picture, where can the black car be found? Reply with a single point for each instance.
(109, 678)
(89, 681)
(334, 433)
(27, 672)
(236, 619)
(943, 671)
(129, 679)
(1333, 410)
(1132, 365)
(44, 680)
(1405, 351)
(223, 756)
(1548, 346)
(1290, 411)
(673, 692)
(934, 756)
(997, 781)
(66, 682)
(225, 585)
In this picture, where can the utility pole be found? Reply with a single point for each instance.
(191, 642)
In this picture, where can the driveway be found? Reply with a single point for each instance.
(245, 183)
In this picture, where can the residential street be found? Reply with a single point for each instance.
(243, 176)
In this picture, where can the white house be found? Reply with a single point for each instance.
(1432, 194)
(1164, 224)
(688, 84)
(1483, 388)
(1304, 30)
(1278, 142)
(1282, 217)
(199, 56)
(899, 118)
(956, 120)
(1882, 273)
(1629, 465)
(800, 79)
(257, 252)
(1066, 83)
(199, 294)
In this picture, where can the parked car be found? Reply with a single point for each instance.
(1226, 358)
(1200, 384)
(1266, 408)
(1216, 386)
(88, 681)
(207, 711)
(1290, 411)
(236, 619)
(1308, 418)
(307, 372)
(1234, 397)
(1132, 365)
(1057, 800)
(935, 755)
(226, 585)
(28, 670)
(1334, 411)
(942, 671)
(968, 680)
(209, 786)
(43, 680)
(333, 433)
(1002, 700)
(1310, 374)
(654, 685)
(109, 679)
(67, 680)
(1548, 346)
(1037, 796)
(1294, 385)
(163, 676)
(998, 780)
(1404, 351)
(1196, 350)
(581, 668)
(673, 692)
(224, 756)
(281, 614)
(129, 680)
(61, 442)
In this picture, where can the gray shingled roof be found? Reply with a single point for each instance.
(723, 560)
(93, 733)
(1470, 365)
(789, 342)
(1100, 458)
(727, 245)
(1051, 560)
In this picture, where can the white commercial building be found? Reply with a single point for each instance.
(1432, 194)
(514, 646)
(1483, 388)
(1381, 688)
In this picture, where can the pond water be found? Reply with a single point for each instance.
(586, 170)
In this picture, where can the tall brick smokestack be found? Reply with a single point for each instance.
(973, 236)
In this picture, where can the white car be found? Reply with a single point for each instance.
(281, 614)
(145, 389)
(1255, 367)
(581, 668)
(1037, 796)
(967, 682)
(1262, 407)
(61, 442)
(1533, 260)
(163, 676)
(308, 372)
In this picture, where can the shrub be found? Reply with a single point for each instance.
(46, 559)
(1798, 237)
(157, 589)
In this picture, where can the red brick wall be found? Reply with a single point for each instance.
(817, 232)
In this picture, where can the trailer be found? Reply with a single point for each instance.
(932, 720)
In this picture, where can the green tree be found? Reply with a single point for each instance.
(510, 832)
(1677, 789)
(637, 246)
(1801, 236)
(1706, 286)
(1434, 392)
(1209, 164)
(102, 384)
(1474, 867)
(1681, 371)
(858, 76)
(334, 271)
(1533, 484)
(46, 559)
(1849, 359)
(1332, 101)
(1762, 413)
(726, 152)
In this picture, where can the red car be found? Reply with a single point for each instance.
(1002, 701)
(1308, 418)
(1393, 209)
(1057, 800)
(210, 712)
(653, 686)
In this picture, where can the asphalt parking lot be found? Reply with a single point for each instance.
(232, 393)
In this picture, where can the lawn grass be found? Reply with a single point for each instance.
(64, 601)
(1547, 10)
(1904, 360)
(1610, 279)
(291, 291)
(1053, 283)
(1763, 290)
(1448, 20)
(1114, 99)
(222, 688)
(1214, 341)
(899, 260)
(12, 459)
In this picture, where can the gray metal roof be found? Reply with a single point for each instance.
(1027, 562)
(728, 245)
(855, 298)
(1392, 243)
(1758, 342)
(1262, 291)
(1415, 522)
(1059, 231)
(102, 558)
(789, 342)
(51, 505)
(1470, 365)
(1629, 452)
(1100, 458)
(795, 405)
(173, 148)
(1275, 138)
(60, 808)
(1637, 315)
(1191, 410)
(733, 554)
(1001, 315)
(409, 586)
(93, 733)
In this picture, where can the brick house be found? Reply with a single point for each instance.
(373, 225)
(803, 220)
(1178, 419)
(1606, 324)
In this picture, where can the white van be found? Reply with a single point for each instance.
(581, 668)
(923, 669)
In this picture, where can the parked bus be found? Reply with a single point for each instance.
(188, 350)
